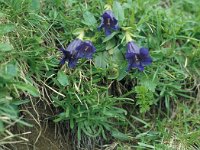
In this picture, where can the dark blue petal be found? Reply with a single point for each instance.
(80, 50)
(107, 32)
(138, 65)
(141, 68)
(73, 45)
(116, 27)
(146, 61)
(133, 64)
(115, 22)
(132, 48)
(66, 56)
(130, 63)
(62, 62)
(144, 52)
(108, 22)
(129, 55)
(137, 57)
(70, 53)
(129, 67)
(89, 56)
(62, 50)
(109, 13)
(101, 25)
(72, 62)
(106, 16)
(86, 50)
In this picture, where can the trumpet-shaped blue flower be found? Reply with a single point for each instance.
(108, 22)
(85, 50)
(70, 54)
(137, 57)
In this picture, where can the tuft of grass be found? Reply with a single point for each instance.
(102, 105)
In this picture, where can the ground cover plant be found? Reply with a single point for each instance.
(95, 74)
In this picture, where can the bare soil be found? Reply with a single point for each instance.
(45, 134)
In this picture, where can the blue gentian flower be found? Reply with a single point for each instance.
(70, 54)
(85, 50)
(137, 57)
(108, 22)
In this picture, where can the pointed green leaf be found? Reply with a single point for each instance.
(118, 11)
(27, 88)
(120, 135)
(5, 28)
(101, 59)
(109, 37)
(62, 78)
(5, 47)
(35, 5)
(89, 19)
(1, 127)
(11, 69)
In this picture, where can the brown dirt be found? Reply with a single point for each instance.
(45, 134)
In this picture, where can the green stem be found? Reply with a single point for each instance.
(108, 7)
(128, 37)
(81, 35)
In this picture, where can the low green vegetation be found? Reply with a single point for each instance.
(99, 101)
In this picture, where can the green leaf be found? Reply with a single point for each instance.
(28, 88)
(2, 15)
(10, 110)
(60, 117)
(108, 112)
(3, 91)
(110, 44)
(5, 47)
(146, 145)
(101, 60)
(141, 121)
(24, 123)
(79, 132)
(67, 112)
(19, 102)
(118, 11)
(35, 5)
(118, 56)
(11, 69)
(122, 71)
(109, 37)
(144, 98)
(6, 28)
(1, 127)
(149, 83)
(131, 8)
(89, 19)
(71, 123)
(78, 31)
(8, 72)
(120, 135)
(113, 73)
(62, 78)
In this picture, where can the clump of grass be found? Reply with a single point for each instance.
(99, 100)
